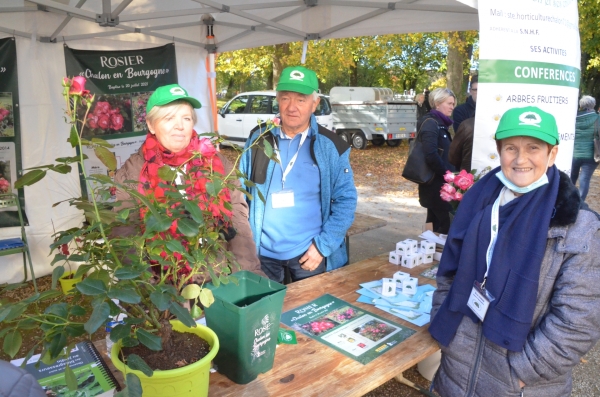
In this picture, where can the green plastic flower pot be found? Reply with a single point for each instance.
(246, 318)
(67, 284)
(189, 381)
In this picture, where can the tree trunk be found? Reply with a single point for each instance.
(455, 61)
(281, 51)
(354, 75)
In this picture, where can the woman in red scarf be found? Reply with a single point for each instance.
(172, 141)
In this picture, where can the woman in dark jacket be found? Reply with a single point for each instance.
(433, 129)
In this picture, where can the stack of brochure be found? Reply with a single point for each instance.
(414, 308)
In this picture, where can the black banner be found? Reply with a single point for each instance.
(10, 129)
(122, 82)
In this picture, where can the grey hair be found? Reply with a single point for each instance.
(587, 102)
(315, 95)
(160, 112)
(439, 95)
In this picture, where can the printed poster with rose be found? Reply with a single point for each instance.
(10, 130)
(122, 82)
(354, 332)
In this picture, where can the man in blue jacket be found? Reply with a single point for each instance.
(467, 109)
(309, 193)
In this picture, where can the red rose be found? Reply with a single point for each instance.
(116, 121)
(78, 86)
(92, 121)
(102, 107)
(103, 122)
(464, 180)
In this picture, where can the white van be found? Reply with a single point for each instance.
(241, 114)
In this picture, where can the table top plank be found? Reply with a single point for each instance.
(312, 368)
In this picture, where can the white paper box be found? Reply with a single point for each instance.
(403, 248)
(420, 259)
(399, 276)
(389, 287)
(437, 256)
(427, 258)
(410, 261)
(428, 246)
(409, 286)
(395, 258)
(413, 243)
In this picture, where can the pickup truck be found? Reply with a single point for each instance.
(362, 114)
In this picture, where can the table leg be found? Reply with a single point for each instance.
(400, 378)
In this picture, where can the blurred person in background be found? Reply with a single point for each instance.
(586, 128)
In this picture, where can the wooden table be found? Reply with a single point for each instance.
(310, 368)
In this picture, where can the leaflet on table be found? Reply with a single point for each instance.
(94, 378)
(423, 306)
(430, 273)
(412, 316)
(352, 331)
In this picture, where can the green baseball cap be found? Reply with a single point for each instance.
(298, 79)
(528, 121)
(169, 93)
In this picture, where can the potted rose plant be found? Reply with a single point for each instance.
(150, 272)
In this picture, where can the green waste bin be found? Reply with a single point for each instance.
(246, 317)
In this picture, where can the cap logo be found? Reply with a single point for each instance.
(530, 118)
(297, 75)
(177, 91)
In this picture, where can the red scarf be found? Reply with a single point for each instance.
(195, 176)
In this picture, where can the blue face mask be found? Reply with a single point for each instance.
(525, 189)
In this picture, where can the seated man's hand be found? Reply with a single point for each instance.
(311, 259)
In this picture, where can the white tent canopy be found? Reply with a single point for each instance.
(41, 26)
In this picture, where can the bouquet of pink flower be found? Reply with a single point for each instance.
(4, 185)
(456, 186)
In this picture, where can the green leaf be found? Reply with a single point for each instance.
(136, 362)
(106, 157)
(128, 273)
(194, 210)
(127, 295)
(100, 275)
(81, 270)
(73, 137)
(77, 310)
(28, 323)
(182, 314)
(91, 286)
(102, 142)
(123, 215)
(119, 332)
(133, 387)
(223, 279)
(59, 309)
(56, 274)
(58, 258)
(4, 310)
(188, 227)
(174, 246)
(50, 294)
(249, 183)
(57, 344)
(152, 342)
(191, 291)
(30, 178)
(166, 173)
(31, 298)
(16, 311)
(129, 342)
(158, 224)
(196, 311)
(61, 168)
(161, 300)
(98, 317)
(214, 187)
(70, 378)
(79, 257)
(67, 160)
(12, 343)
(268, 148)
(206, 297)
(260, 196)
(74, 330)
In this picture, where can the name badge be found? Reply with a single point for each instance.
(283, 199)
(479, 300)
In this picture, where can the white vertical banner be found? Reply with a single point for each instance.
(529, 56)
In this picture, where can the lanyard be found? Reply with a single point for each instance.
(494, 234)
(290, 165)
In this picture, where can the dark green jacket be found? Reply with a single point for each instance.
(584, 134)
